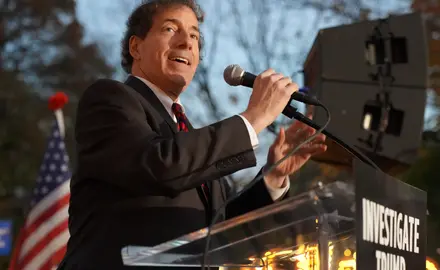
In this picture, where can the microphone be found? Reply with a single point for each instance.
(234, 75)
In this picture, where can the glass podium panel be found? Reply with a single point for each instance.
(308, 229)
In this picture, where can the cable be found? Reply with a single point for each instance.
(361, 156)
(264, 173)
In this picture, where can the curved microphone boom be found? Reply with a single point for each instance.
(234, 75)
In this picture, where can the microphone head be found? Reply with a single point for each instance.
(233, 75)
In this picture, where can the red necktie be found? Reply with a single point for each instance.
(182, 125)
(181, 118)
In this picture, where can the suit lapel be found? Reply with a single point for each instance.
(149, 95)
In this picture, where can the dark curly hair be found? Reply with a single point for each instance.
(141, 20)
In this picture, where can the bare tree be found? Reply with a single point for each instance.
(258, 34)
(279, 34)
(202, 81)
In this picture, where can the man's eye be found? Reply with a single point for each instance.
(196, 37)
(169, 29)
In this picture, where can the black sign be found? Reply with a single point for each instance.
(390, 222)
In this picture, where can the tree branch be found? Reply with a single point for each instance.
(202, 78)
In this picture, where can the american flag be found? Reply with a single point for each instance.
(43, 238)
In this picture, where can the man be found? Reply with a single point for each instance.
(144, 175)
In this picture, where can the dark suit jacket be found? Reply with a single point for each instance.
(137, 179)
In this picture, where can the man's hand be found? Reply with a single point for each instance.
(270, 95)
(286, 141)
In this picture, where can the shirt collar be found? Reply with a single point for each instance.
(166, 101)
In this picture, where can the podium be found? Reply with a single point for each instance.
(368, 221)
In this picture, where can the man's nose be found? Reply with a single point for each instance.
(185, 41)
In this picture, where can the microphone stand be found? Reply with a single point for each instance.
(292, 112)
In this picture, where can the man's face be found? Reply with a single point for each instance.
(169, 54)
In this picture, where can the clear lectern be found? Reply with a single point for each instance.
(342, 225)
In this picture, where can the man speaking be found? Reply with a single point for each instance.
(144, 175)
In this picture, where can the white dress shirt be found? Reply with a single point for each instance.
(167, 102)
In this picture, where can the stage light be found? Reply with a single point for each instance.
(375, 89)
(431, 265)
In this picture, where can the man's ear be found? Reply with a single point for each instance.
(134, 44)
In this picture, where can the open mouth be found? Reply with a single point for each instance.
(180, 60)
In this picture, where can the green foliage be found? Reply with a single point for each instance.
(42, 42)
(42, 51)
(425, 175)
(21, 143)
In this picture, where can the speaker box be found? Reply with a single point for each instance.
(339, 53)
(338, 71)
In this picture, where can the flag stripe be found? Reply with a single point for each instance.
(56, 258)
(56, 244)
(15, 253)
(47, 202)
(44, 242)
(45, 232)
(49, 212)
(45, 228)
